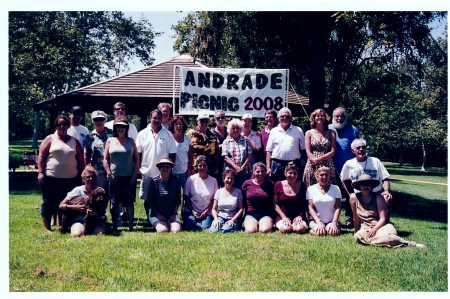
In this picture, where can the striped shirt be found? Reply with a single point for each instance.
(163, 196)
(286, 145)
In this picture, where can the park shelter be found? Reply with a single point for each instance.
(141, 91)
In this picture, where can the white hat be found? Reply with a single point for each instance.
(246, 115)
(98, 114)
(203, 115)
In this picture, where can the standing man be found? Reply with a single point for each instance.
(363, 164)
(94, 146)
(286, 143)
(221, 133)
(153, 143)
(165, 110)
(76, 130)
(120, 110)
(345, 134)
(252, 138)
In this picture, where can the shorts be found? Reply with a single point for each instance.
(154, 219)
(54, 191)
(122, 191)
(257, 217)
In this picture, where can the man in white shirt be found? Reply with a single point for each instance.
(120, 110)
(76, 130)
(286, 143)
(153, 143)
(252, 139)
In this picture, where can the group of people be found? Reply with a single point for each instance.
(218, 176)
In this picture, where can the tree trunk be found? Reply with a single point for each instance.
(424, 156)
(400, 159)
(37, 119)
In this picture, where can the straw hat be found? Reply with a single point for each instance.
(164, 161)
(364, 179)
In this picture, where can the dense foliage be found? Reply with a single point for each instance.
(54, 52)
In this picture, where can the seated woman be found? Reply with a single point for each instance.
(228, 205)
(290, 202)
(164, 198)
(369, 215)
(77, 228)
(324, 202)
(198, 197)
(258, 200)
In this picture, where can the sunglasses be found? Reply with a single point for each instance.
(62, 125)
(119, 109)
(220, 117)
(120, 126)
(98, 119)
(361, 147)
(203, 121)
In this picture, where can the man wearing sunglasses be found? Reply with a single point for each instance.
(363, 164)
(76, 129)
(120, 110)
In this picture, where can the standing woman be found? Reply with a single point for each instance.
(183, 161)
(60, 164)
(369, 213)
(258, 200)
(228, 206)
(270, 117)
(237, 153)
(320, 143)
(198, 197)
(122, 167)
(221, 133)
(324, 202)
(290, 202)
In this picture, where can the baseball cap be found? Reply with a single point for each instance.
(246, 115)
(98, 114)
(203, 115)
(77, 109)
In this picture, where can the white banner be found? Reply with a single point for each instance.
(235, 91)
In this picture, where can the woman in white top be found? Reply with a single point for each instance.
(183, 162)
(324, 204)
(121, 162)
(228, 205)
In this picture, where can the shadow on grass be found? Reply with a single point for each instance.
(416, 207)
(415, 172)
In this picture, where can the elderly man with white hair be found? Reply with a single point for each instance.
(286, 143)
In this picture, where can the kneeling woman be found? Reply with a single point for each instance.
(77, 228)
(290, 202)
(258, 200)
(164, 198)
(228, 205)
(370, 212)
(324, 202)
(198, 197)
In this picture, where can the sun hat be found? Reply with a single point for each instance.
(203, 115)
(164, 160)
(120, 123)
(364, 179)
(98, 114)
(246, 115)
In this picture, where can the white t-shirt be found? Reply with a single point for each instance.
(132, 131)
(228, 205)
(79, 132)
(200, 192)
(154, 148)
(352, 169)
(182, 160)
(324, 203)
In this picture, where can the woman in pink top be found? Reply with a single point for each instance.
(60, 164)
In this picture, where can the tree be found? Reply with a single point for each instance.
(55, 52)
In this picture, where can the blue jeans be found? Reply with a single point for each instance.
(190, 222)
(183, 178)
(226, 228)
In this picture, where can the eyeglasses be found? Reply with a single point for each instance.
(220, 117)
(98, 119)
(119, 109)
(285, 116)
(62, 125)
(203, 121)
(90, 177)
(361, 147)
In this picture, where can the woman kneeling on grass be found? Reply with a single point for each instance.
(258, 199)
(369, 212)
(164, 198)
(324, 202)
(77, 227)
(228, 205)
(290, 202)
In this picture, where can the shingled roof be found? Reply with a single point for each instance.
(141, 90)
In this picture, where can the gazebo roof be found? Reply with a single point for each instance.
(141, 90)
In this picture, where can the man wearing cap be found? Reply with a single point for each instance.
(252, 138)
(286, 143)
(345, 134)
(363, 164)
(120, 110)
(94, 146)
(204, 142)
(153, 143)
(76, 130)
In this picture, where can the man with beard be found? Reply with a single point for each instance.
(363, 164)
(345, 134)
(76, 130)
